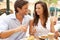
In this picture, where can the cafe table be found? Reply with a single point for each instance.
(38, 39)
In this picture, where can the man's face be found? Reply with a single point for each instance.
(24, 10)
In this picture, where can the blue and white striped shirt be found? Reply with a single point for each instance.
(11, 22)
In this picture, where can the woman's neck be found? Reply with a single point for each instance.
(41, 17)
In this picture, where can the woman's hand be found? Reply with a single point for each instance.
(33, 31)
(56, 34)
(53, 20)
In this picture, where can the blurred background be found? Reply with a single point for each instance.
(53, 6)
(7, 6)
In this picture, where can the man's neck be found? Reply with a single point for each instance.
(19, 17)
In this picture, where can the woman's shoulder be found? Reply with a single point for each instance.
(48, 20)
(31, 21)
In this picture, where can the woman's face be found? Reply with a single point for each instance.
(39, 9)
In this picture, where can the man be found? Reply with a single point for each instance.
(14, 26)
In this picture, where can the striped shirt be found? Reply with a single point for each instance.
(11, 22)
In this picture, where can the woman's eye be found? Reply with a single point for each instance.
(37, 8)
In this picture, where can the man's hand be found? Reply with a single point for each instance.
(22, 28)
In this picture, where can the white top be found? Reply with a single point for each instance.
(41, 30)
(11, 22)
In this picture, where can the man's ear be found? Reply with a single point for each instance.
(18, 9)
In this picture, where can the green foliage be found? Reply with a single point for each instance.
(51, 1)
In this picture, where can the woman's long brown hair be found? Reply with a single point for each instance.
(45, 13)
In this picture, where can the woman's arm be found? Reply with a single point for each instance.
(31, 29)
(52, 29)
(53, 21)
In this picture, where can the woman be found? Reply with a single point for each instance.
(41, 24)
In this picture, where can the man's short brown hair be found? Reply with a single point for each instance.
(19, 4)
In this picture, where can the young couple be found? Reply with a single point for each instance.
(14, 26)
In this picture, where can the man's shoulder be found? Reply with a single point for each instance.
(11, 15)
(8, 17)
(29, 17)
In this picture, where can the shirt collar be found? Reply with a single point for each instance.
(13, 16)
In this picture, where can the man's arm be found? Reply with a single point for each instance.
(8, 33)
